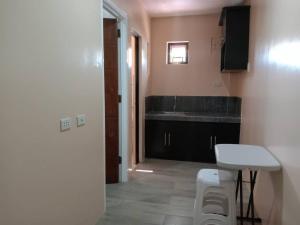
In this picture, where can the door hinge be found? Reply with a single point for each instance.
(120, 160)
(119, 33)
(120, 98)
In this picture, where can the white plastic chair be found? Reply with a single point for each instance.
(215, 198)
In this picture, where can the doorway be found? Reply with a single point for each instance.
(121, 80)
(134, 156)
(137, 98)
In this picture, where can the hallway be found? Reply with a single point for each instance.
(162, 197)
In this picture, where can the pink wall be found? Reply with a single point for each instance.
(201, 76)
(271, 108)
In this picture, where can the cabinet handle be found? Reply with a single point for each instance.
(215, 140)
(210, 142)
(169, 139)
(165, 139)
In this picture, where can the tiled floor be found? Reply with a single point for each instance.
(164, 197)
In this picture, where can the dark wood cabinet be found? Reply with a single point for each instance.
(235, 21)
(202, 146)
(192, 141)
(157, 140)
(187, 141)
(227, 133)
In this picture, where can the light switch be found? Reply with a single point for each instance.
(81, 120)
(65, 124)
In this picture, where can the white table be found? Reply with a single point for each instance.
(239, 157)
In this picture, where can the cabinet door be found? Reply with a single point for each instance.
(204, 151)
(157, 140)
(192, 141)
(234, 53)
(182, 140)
(227, 133)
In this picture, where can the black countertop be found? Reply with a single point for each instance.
(194, 117)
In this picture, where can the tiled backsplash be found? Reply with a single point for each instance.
(200, 104)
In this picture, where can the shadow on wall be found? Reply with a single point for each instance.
(271, 196)
(286, 185)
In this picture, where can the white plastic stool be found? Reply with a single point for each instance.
(215, 198)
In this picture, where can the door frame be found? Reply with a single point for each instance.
(123, 71)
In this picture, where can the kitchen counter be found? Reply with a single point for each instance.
(194, 117)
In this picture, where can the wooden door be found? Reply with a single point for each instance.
(133, 154)
(137, 107)
(132, 122)
(111, 100)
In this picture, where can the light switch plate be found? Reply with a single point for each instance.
(65, 123)
(81, 120)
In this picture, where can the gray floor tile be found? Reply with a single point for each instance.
(178, 220)
(164, 197)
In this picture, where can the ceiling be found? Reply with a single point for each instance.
(164, 8)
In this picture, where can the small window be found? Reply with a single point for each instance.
(177, 52)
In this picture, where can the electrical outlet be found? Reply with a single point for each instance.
(65, 124)
(81, 120)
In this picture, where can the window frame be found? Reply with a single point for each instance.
(174, 43)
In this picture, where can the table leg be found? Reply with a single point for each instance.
(252, 219)
(237, 187)
(251, 198)
(241, 197)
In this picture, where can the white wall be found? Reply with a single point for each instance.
(51, 67)
(270, 108)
